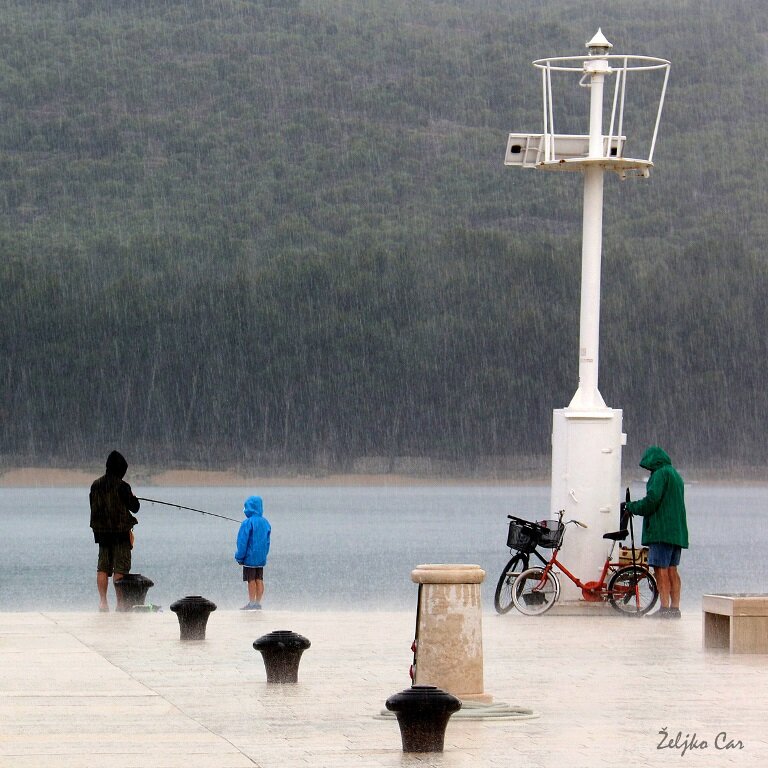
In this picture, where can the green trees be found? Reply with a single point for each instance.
(281, 232)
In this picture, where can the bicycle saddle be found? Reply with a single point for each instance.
(616, 535)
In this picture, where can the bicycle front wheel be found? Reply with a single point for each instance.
(533, 593)
(502, 600)
(632, 590)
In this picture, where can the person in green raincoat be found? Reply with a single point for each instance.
(665, 528)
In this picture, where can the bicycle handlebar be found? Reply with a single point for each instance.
(521, 521)
(559, 520)
(578, 522)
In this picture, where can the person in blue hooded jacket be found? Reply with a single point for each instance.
(252, 549)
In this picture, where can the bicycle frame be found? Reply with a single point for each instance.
(598, 589)
(575, 579)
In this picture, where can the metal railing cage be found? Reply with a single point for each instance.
(569, 152)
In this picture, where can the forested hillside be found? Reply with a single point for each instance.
(280, 232)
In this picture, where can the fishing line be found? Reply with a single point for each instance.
(191, 509)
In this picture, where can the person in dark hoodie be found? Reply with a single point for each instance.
(665, 528)
(253, 540)
(112, 504)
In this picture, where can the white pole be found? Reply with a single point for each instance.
(547, 157)
(597, 70)
(587, 396)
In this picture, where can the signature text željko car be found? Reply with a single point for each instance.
(692, 742)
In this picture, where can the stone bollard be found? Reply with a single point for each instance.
(281, 651)
(422, 713)
(132, 590)
(192, 612)
(448, 651)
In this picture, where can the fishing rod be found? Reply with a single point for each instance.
(191, 509)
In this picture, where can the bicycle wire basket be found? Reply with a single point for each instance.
(522, 535)
(550, 534)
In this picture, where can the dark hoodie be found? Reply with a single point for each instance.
(112, 503)
(663, 508)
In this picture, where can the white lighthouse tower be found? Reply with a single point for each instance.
(587, 436)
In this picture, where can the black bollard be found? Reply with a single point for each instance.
(132, 590)
(281, 651)
(422, 713)
(192, 612)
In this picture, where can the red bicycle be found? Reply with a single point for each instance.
(630, 589)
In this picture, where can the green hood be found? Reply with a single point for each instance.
(654, 458)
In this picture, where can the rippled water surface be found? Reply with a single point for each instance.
(350, 547)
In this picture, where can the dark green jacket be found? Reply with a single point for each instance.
(663, 508)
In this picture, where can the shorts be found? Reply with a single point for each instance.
(114, 558)
(252, 574)
(664, 555)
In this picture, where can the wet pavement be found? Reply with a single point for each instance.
(121, 691)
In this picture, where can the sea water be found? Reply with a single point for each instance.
(335, 547)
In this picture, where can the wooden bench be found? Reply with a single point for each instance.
(736, 622)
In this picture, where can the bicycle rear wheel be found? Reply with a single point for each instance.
(502, 600)
(632, 590)
(533, 593)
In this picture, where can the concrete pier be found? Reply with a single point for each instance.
(86, 690)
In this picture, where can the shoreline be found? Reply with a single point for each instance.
(58, 477)
(52, 477)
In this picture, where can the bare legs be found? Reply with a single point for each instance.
(102, 582)
(255, 590)
(668, 582)
(674, 587)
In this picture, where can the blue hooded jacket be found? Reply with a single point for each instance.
(254, 534)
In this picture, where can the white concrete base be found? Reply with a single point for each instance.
(586, 484)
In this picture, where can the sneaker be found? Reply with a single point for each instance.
(251, 607)
(666, 613)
